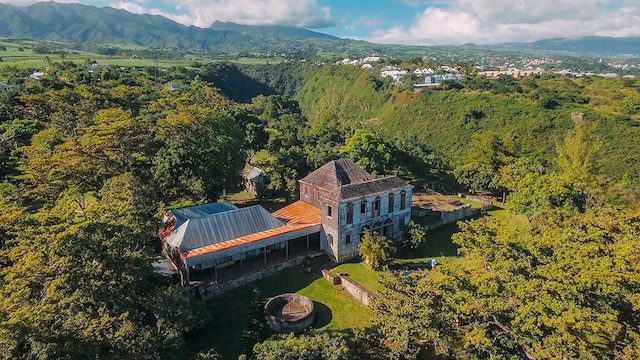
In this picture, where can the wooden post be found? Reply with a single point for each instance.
(286, 245)
(264, 251)
(216, 271)
(307, 243)
(241, 269)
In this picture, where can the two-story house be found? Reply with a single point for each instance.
(350, 201)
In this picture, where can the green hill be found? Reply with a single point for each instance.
(596, 45)
(532, 114)
(270, 29)
(52, 21)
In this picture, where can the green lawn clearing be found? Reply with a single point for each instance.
(361, 274)
(336, 310)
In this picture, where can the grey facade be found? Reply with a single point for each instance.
(351, 200)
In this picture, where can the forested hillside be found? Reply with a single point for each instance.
(90, 159)
(531, 114)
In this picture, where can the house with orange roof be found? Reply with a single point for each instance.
(338, 202)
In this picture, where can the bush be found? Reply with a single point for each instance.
(376, 250)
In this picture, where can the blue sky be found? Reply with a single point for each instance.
(417, 22)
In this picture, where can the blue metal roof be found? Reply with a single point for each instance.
(228, 225)
(200, 211)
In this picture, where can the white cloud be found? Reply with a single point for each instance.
(299, 13)
(495, 21)
(137, 8)
(130, 7)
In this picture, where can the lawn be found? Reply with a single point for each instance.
(361, 274)
(27, 58)
(439, 241)
(335, 308)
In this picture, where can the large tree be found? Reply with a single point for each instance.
(370, 151)
(309, 347)
(86, 289)
(201, 152)
(565, 288)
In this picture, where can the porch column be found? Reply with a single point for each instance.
(216, 270)
(307, 243)
(184, 274)
(286, 246)
(241, 268)
(264, 251)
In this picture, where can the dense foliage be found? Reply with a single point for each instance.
(565, 288)
(506, 115)
(375, 249)
(312, 347)
(89, 159)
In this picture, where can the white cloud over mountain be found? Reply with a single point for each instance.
(435, 22)
(495, 21)
(298, 13)
(202, 13)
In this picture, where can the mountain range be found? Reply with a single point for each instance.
(52, 21)
(71, 22)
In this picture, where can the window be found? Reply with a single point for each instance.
(349, 213)
(390, 207)
(375, 209)
(348, 239)
(330, 239)
(329, 211)
(363, 207)
(305, 190)
(403, 200)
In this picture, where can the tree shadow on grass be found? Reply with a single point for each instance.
(324, 315)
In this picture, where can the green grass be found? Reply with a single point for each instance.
(336, 310)
(361, 274)
(28, 59)
(439, 241)
(474, 204)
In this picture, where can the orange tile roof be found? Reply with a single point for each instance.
(299, 212)
(298, 215)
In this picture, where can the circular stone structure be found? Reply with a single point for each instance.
(288, 313)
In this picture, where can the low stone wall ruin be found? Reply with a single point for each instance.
(357, 291)
(332, 278)
(485, 200)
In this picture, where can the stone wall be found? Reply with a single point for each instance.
(357, 291)
(332, 278)
(459, 213)
(485, 200)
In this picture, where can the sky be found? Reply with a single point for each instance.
(414, 22)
